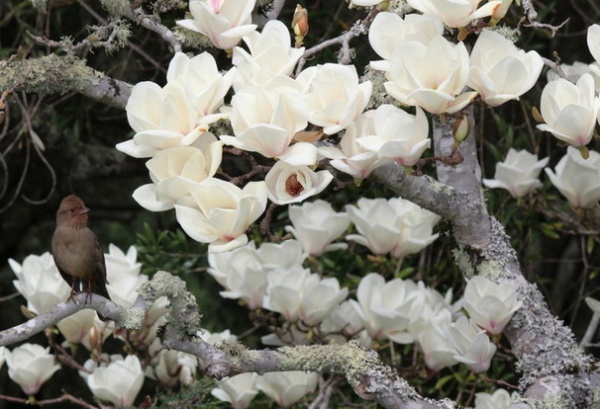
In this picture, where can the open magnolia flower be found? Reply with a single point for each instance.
(577, 179)
(161, 117)
(271, 54)
(224, 22)
(593, 42)
(570, 110)
(30, 365)
(205, 85)
(398, 135)
(239, 390)
(351, 157)
(388, 30)
(431, 76)
(334, 98)
(286, 388)
(292, 184)
(395, 226)
(119, 382)
(222, 212)
(490, 305)
(316, 225)
(501, 72)
(265, 122)
(472, 345)
(455, 13)
(175, 170)
(519, 173)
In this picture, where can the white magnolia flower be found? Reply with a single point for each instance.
(386, 309)
(501, 72)
(30, 365)
(500, 399)
(284, 291)
(395, 226)
(265, 122)
(490, 305)
(398, 135)
(320, 297)
(175, 170)
(286, 388)
(574, 71)
(123, 274)
(204, 84)
(351, 157)
(316, 225)
(577, 179)
(78, 328)
(224, 22)
(431, 75)
(438, 351)
(172, 368)
(519, 173)
(593, 42)
(39, 281)
(345, 320)
(472, 345)
(455, 13)
(570, 111)
(161, 117)
(222, 212)
(292, 184)
(271, 55)
(239, 390)
(119, 382)
(334, 98)
(388, 30)
(284, 255)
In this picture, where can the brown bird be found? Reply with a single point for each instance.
(76, 250)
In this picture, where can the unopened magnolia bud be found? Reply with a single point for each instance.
(585, 152)
(460, 130)
(300, 24)
(536, 115)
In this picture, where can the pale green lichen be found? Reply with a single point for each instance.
(39, 5)
(132, 318)
(115, 7)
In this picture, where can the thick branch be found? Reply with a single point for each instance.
(55, 74)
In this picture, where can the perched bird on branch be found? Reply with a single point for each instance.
(76, 250)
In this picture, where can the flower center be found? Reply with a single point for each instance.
(292, 186)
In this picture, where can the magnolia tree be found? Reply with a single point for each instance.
(253, 145)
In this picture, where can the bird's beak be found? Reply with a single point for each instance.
(83, 210)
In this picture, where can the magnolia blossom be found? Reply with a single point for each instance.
(501, 72)
(438, 351)
(334, 98)
(271, 55)
(175, 170)
(172, 368)
(385, 308)
(161, 117)
(570, 111)
(395, 226)
(500, 399)
(316, 225)
(351, 157)
(291, 184)
(574, 71)
(286, 388)
(80, 327)
(455, 13)
(222, 212)
(39, 281)
(123, 273)
(398, 135)
(239, 390)
(519, 173)
(490, 305)
(472, 345)
(224, 22)
(30, 365)
(118, 382)
(265, 122)
(577, 179)
(204, 84)
(593, 42)
(388, 30)
(431, 75)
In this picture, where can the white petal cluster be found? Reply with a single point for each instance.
(455, 13)
(519, 173)
(472, 346)
(239, 390)
(501, 72)
(172, 368)
(123, 274)
(224, 22)
(118, 382)
(292, 184)
(570, 111)
(577, 179)
(396, 226)
(316, 225)
(593, 43)
(490, 305)
(500, 399)
(30, 365)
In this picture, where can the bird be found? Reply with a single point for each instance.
(76, 250)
